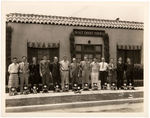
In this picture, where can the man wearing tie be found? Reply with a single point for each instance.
(103, 71)
(23, 73)
(64, 71)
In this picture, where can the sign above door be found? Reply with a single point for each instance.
(85, 32)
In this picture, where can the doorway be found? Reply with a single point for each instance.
(88, 50)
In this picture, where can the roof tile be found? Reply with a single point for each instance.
(61, 20)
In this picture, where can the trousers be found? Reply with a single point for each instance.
(94, 78)
(23, 79)
(103, 77)
(13, 80)
(64, 78)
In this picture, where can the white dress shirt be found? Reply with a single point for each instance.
(13, 68)
(64, 65)
(94, 67)
(103, 66)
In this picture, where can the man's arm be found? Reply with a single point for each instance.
(9, 69)
(40, 69)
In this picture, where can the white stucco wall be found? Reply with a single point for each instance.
(56, 33)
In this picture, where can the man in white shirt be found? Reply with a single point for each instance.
(13, 77)
(94, 72)
(103, 71)
(64, 71)
(23, 73)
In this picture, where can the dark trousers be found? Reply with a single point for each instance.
(129, 79)
(46, 79)
(34, 79)
(56, 81)
(103, 77)
(119, 79)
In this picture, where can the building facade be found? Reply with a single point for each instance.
(38, 35)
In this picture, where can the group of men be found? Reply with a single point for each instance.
(58, 73)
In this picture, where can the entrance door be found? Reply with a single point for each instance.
(90, 51)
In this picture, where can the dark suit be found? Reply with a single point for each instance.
(120, 72)
(55, 70)
(129, 73)
(34, 74)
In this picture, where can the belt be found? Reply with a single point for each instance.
(13, 73)
(103, 71)
(65, 70)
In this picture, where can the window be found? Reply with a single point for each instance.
(90, 51)
(98, 48)
(40, 52)
(134, 55)
(78, 47)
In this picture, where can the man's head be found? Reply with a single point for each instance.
(85, 58)
(111, 60)
(95, 59)
(24, 58)
(14, 60)
(34, 59)
(74, 60)
(103, 59)
(128, 60)
(65, 58)
(44, 58)
(120, 59)
(55, 59)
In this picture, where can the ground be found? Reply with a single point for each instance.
(135, 107)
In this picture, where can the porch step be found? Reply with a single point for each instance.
(70, 97)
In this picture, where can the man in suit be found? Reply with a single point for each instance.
(55, 70)
(120, 73)
(129, 71)
(23, 73)
(45, 71)
(74, 71)
(85, 67)
(64, 70)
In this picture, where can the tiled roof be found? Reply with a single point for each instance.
(73, 21)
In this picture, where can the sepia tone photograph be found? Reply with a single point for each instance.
(73, 57)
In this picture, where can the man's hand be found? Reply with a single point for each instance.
(41, 74)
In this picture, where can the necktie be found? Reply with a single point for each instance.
(103, 65)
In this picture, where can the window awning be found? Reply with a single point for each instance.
(42, 45)
(129, 47)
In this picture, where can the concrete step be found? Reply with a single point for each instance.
(63, 106)
(71, 97)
